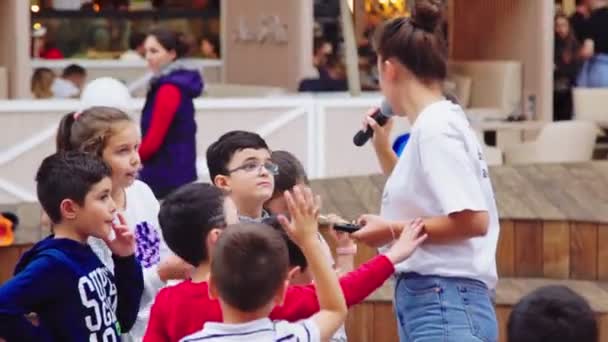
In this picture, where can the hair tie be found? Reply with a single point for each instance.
(426, 28)
(417, 26)
(77, 115)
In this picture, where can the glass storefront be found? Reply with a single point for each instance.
(101, 29)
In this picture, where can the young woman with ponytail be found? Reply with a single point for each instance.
(443, 291)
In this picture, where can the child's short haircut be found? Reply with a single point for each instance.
(552, 313)
(220, 152)
(74, 69)
(296, 256)
(291, 172)
(67, 175)
(249, 256)
(187, 215)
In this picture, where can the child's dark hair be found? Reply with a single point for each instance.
(74, 69)
(296, 256)
(249, 256)
(67, 175)
(170, 41)
(291, 172)
(89, 130)
(416, 42)
(221, 152)
(187, 215)
(552, 313)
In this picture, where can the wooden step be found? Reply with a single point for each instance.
(552, 249)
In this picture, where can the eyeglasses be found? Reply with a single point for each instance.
(252, 167)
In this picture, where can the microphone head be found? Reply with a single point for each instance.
(385, 109)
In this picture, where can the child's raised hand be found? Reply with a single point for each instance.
(123, 244)
(304, 211)
(411, 237)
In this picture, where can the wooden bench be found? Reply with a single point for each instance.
(554, 217)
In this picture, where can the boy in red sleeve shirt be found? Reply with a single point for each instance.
(192, 218)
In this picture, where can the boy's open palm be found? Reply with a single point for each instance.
(124, 243)
(304, 211)
(411, 237)
(303, 229)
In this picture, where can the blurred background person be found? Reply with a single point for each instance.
(41, 83)
(566, 67)
(594, 73)
(168, 148)
(209, 47)
(137, 51)
(71, 82)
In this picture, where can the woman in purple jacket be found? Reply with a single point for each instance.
(168, 148)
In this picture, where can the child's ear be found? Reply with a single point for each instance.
(212, 290)
(222, 182)
(212, 237)
(69, 209)
(279, 298)
(293, 273)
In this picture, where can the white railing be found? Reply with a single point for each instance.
(115, 63)
(128, 71)
(317, 129)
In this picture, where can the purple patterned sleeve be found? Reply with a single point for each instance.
(148, 244)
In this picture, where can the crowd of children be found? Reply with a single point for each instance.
(245, 249)
(237, 244)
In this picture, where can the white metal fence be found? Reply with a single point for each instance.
(317, 129)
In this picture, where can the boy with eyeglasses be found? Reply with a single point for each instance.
(239, 163)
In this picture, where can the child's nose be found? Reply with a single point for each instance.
(112, 205)
(263, 170)
(135, 160)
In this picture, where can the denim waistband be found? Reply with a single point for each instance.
(412, 275)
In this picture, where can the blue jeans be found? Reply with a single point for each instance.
(594, 73)
(432, 308)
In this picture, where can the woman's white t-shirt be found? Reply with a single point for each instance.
(442, 171)
(141, 214)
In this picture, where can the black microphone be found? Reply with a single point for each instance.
(381, 115)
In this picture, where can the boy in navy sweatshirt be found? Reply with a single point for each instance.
(61, 279)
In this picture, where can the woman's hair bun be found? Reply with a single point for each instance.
(427, 14)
